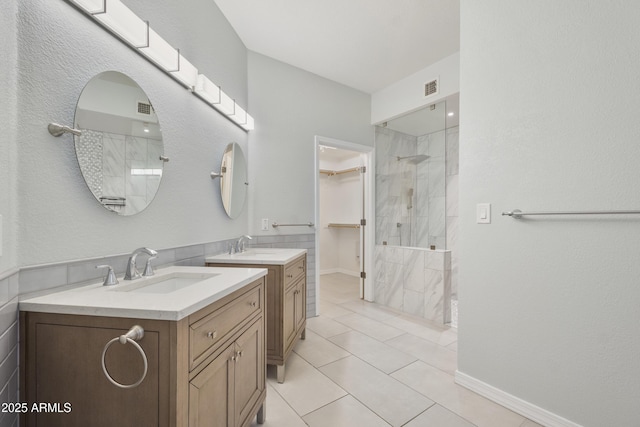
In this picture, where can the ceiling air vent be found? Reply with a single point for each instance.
(431, 88)
(144, 108)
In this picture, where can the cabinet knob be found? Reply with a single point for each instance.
(212, 334)
(289, 276)
(300, 267)
(253, 304)
(239, 353)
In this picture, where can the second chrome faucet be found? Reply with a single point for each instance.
(132, 272)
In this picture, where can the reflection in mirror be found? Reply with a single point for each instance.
(121, 143)
(233, 183)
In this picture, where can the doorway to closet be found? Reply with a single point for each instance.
(342, 210)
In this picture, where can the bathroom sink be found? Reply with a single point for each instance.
(165, 284)
(259, 253)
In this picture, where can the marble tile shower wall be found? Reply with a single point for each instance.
(414, 280)
(410, 198)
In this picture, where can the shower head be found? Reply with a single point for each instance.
(418, 158)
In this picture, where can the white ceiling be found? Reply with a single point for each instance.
(364, 44)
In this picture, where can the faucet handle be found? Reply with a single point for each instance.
(148, 269)
(111, 276)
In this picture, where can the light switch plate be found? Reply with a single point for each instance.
(483, 213)
(265, 224)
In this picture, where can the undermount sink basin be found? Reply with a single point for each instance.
(257, 253)
(165, 284)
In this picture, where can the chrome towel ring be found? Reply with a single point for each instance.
(135, 333)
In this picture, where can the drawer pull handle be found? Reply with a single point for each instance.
(213, 335)
(135, 333)
(289, 276)
(253, 304)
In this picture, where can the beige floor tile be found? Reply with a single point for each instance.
(438, 334)
(370, 310)
(278, 412)
(427, 351)
(529, 423)
(372, 351)
(304, 388)
(346, 412)
(319, 351)
(393, 401)
(440, 387)
(437, 416)
(331, 310)
(326, 327)
(373, 328)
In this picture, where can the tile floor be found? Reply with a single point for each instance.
(366, 365)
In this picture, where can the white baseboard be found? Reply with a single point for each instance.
(522, 407)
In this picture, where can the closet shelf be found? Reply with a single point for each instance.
(336, 225)
(332, 172)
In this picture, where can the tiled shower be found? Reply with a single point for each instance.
(417, 220)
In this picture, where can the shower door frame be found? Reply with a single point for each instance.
(368, 237)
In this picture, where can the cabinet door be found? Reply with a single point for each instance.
(300, 305)
(249, 372)
(211, 393)
(289, 318)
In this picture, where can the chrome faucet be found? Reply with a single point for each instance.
(240, 243)
(132, 272)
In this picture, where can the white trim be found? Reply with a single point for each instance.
(522, 407)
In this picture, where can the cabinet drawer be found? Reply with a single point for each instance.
(215, 327)
(294, 271)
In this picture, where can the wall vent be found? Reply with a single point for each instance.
(144, 108)
(431, 88)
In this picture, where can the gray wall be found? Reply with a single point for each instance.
(549, 104)
(291, 106)
(59, 218)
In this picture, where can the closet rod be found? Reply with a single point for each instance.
(334, 225)
(331, 172)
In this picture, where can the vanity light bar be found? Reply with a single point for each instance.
(128, 27)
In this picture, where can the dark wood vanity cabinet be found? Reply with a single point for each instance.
(207, 369)
(286, 310)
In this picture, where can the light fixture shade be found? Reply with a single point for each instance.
(226, 104)
(239, 115)
(90, 6)
(187, 74)
(122, 21)
(207, 90)
(250, 124)
(161, 52)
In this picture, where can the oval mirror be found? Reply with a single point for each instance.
(233, 182)
(120, 150)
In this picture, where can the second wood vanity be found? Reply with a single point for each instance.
(286, 296)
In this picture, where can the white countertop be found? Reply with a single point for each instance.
(271, 256)
(142, 300)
